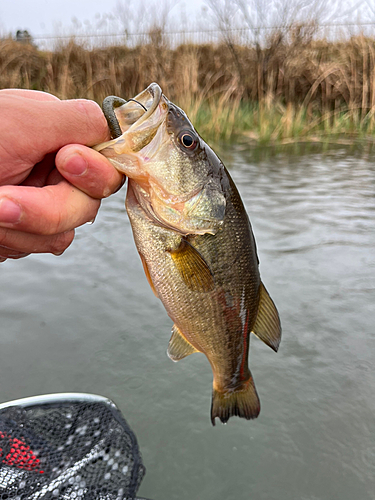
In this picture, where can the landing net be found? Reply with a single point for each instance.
(68, 447)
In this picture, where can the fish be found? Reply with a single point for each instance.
(196, 243)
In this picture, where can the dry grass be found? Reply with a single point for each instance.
(287, 90)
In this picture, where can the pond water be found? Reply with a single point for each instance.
(88, 322)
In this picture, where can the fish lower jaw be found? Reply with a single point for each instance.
(103, 145)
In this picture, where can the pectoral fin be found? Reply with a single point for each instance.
(179, 347)
(267, 326)
(193, 268)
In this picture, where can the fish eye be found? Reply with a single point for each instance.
(188, 140)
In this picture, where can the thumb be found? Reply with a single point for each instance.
(45, 126)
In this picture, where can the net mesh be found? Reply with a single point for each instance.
(73, 450)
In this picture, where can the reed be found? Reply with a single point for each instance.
(296, 89)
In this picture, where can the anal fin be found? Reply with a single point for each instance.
(267, 326)
(179, 347)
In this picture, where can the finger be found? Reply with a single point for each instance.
(44, 127)
(37, 95)
(40, 173)
(88, 170)
(47, 210)
(14, 242)
(8, 253)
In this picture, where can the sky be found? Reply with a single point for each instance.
(104, 17)
(41, 17)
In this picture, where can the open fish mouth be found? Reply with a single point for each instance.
(122, 115)
(173, 183)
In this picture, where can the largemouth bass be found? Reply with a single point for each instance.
(195, 242)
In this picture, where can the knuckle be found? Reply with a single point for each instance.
(93, 210)
(61, 242)
(18, 255)
(3, 236)
(56, 224)
(10, 253)
(52, 225)
(54, 216)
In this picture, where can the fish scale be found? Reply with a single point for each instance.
(196, 245)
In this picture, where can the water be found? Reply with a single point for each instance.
(88, 322)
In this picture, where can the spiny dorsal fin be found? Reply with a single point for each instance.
(192, 268)
(148, 275)
(179, 347)
(267, 326)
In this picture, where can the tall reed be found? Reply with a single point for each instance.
(295, 88)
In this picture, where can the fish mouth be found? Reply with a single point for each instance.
(139, 109)
(146, 150)
(127, 116)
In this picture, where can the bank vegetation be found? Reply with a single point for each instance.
(294, 87)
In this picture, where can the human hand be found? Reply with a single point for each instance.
(50, 181)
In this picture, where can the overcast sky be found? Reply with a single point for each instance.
(82, 17)
(42, 17)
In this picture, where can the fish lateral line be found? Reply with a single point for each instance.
(246, 342)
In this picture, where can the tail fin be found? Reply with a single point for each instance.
(243, 402)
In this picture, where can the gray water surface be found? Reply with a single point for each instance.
(87, 321)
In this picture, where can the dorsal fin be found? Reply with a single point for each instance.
(179, 347)
(192, 267)
(267, 325)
